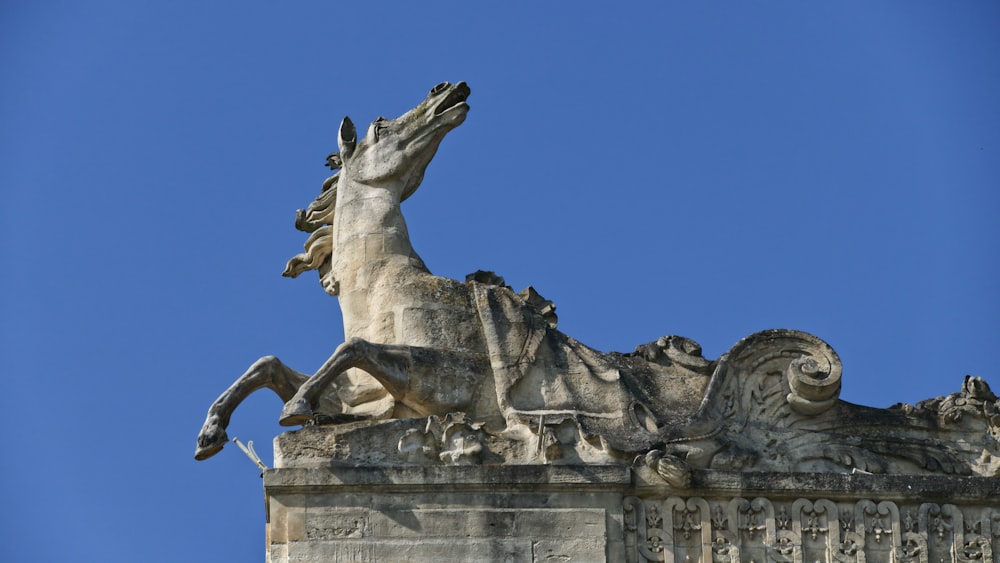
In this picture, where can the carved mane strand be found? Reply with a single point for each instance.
(317, 220)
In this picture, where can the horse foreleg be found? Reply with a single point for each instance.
(427, 380)
(266, 372)
(387, 364)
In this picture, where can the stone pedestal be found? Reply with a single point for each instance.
(472, 513)
(334, 511)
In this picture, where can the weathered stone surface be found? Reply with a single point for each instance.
(526, 513)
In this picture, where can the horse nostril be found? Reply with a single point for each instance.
(437, 89)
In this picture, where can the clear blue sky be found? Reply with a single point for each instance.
(705, 169)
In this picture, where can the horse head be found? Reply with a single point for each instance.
(393, 154)
(396, 152)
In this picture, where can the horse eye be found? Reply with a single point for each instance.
(439, 88)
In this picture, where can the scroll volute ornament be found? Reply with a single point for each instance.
(814, 381)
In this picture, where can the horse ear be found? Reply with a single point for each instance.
(348, 138)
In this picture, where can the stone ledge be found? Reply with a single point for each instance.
(624, 478)
(840, 485)
(464, 477)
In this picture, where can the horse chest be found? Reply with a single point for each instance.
(405, 305)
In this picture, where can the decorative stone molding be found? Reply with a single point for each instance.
(730, 530)
(590, 513)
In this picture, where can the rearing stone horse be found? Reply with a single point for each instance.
(419, 344)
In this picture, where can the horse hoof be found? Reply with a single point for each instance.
(296, 413)
(209, 446)
(201, 453)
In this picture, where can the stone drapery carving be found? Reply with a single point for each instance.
(730, 530)
(438, 371)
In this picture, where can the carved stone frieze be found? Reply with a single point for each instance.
(731, 530)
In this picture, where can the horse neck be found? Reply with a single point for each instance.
(371, 251)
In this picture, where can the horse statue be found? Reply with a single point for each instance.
(419, 345)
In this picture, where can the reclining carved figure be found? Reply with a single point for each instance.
(419, 345)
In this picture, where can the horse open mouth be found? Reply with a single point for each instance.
(455, 98)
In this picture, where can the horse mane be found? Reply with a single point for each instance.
(317, 219)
